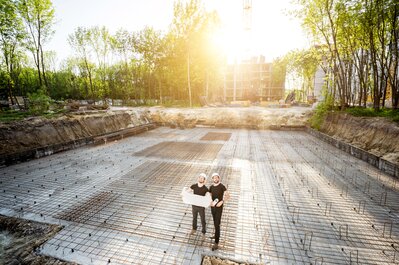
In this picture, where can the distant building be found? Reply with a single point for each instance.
(319, 82)
(253, 80)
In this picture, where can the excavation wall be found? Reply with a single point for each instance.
(374, 135)
(37, 137)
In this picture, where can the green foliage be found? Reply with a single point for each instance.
(39, 102)
(392, 114)
(39, 18)
(140, 66)
(13, 115)
(319, 115)
(359, 44)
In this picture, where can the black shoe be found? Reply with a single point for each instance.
(215, 247)
(193, 231)
(212, 237)
(203, 232)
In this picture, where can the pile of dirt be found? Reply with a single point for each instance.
(207, 260)
(378, 136)
(23, 238)
(253, 117)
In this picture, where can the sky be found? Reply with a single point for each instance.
(273, 33)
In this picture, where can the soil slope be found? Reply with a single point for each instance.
(39, 132)
(255, 117)
(375, 135)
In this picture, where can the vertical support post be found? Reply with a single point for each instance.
(344, 190)
(346, 231)
(362, 206)
(356, 256)
(328, 208)
(367, 187)
(387, 225)
(307, 237)
(383, 199)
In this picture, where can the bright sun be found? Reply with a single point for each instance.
(234, 44)
(272, 32)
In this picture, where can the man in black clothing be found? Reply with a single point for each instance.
(199, 189)
(219, 196)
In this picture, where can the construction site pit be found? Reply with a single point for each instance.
(294, 200)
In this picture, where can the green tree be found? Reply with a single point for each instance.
(150, 46)
(189, 23)
(361, 37)
(101, 45)
(11, 36)
(302, 64)
(79, 41)
(38, 17)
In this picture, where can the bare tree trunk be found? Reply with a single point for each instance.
(188, 79)
(43, 68)
(207, 85)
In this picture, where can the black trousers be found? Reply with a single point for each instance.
(201, 211)
(217, 217)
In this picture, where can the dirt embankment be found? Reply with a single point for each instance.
(252, 117)
(375, 135)
(22, 136)
(34, 133)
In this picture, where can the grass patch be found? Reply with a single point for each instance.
(13, 115)
(392, 114)
(17, 115)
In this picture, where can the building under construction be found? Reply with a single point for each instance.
(254, 80)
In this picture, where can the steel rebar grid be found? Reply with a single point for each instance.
(295, 199)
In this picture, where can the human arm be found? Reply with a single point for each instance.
(226, 197)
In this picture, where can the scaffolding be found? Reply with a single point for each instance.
(253, 79)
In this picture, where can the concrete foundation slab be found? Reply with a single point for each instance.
(294, 200)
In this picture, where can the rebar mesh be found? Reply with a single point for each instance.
(294, 200)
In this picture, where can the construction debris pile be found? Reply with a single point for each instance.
(218, 261)
(22, 239)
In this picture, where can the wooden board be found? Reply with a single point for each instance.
(190, 198)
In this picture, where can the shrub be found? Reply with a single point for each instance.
(321, 112)
(39, 102)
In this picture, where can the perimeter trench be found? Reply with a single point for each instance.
(294, 200)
